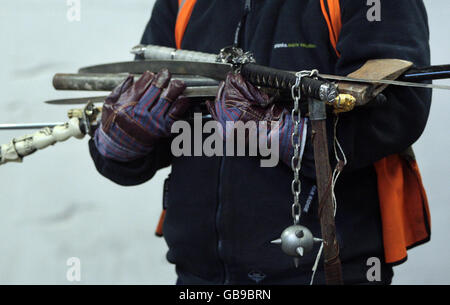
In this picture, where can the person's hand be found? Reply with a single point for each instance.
(238, 100)
(136, 115)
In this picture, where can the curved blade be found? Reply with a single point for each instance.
(213, 70)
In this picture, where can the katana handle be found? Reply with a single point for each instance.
(283, 80)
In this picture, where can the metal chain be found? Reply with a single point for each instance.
(296, 142)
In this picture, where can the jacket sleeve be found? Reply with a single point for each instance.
(369, 134)
(134, 172)
(159, 30)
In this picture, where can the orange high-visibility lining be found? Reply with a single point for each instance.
(333, 20)
(403, 202)
(159, 228)
(185, 8)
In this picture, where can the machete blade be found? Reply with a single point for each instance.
(212, 70)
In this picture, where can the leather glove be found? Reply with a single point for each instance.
(238, 100)
(136, 115)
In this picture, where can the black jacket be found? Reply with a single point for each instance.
(224, 211)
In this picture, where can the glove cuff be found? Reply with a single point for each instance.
(112, 149)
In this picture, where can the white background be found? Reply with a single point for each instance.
(55, 205)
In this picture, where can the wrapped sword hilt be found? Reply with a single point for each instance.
(269, 77)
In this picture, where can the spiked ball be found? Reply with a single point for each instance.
(296, 241)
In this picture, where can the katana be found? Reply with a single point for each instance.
(219, 71)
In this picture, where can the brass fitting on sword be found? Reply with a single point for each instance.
(89, 117)
(343, 103)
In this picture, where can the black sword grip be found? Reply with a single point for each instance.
(311, 88)
(278, 79)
